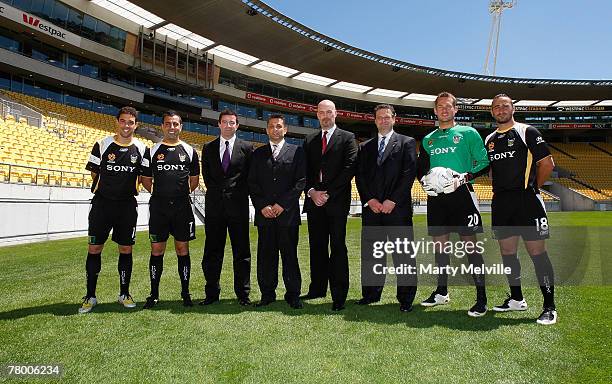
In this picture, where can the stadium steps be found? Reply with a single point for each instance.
(601, 149)
(553, 146)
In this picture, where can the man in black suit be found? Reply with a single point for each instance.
(276, 179)
(225, 167)
(386, 168)
(330, 167)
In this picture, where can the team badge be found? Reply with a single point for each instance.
(111, 157)
(430, 142)
(133, 159)
(510, 142)
(456, 139)
(182, 157)
(491, 146)
(160, 156)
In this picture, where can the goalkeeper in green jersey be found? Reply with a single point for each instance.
(449, 159)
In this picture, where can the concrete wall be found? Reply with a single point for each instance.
(571, 200)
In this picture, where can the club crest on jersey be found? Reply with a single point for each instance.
(491, 146)
(111, 157)
(182, 158)
(133, 159)
(456, 139)
(510, 142)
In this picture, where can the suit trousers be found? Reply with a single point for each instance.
(325, 233)
(393, 225)
(272, 239)
(216, 229)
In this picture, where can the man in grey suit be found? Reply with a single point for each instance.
(277, 176)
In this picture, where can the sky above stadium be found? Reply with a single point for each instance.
(554, 39)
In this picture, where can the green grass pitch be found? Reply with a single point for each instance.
(41, 286)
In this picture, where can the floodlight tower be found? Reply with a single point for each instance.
(496, 8)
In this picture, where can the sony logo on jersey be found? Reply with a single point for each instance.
(439, 151)
(120, 168)
(170, 167)
(503, 155)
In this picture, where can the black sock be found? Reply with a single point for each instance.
(442, 260)
(514, 277)
(546, 278)
(124, 267)
(476, 260)
(184, 270)
(156, 267)
(93, 264)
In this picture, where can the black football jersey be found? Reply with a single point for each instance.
(117, 167)
(513, 155)
(170, 166)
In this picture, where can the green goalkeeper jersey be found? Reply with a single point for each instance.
(459, 148)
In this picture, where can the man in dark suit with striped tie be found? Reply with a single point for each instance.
(330, 167)
(386, 168)
(225, 167)
(277, 176)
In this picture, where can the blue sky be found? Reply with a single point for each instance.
(560, 39)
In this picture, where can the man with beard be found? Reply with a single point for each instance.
(520, 164)
(330, 167)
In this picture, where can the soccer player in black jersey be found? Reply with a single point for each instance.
(520, 164)
(115, 164)
(172, 174)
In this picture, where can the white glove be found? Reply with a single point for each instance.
(457, 180)
(433, 182)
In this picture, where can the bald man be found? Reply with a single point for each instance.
(330, 166)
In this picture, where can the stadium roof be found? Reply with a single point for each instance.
(251, 33)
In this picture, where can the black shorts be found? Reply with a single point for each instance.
(455, 212)
(171, 216)
(118, 215)
(519, 213)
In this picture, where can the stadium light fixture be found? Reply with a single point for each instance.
(351, 87)
(275, 68)
(314, 79)
(385, 92)
(574, 103)
(130, 11)
(534, 103)
(233, 55)
(605, 103)
(420, 97)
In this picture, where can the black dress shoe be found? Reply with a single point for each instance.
(296, 304)
(186, 300)
(244, 301)
(405, 307)
(337, 307)
(208, 300)
(311, 296)
(264, 302)
(366, 301)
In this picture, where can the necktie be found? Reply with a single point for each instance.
(274, 151)
(323, 149)
(324, 142)
(225, 162)
(381, 151)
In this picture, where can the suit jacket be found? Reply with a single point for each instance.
(338, 167)
(227, 195)
(279, 181)
(393, 178)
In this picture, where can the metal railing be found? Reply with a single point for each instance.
(24, 174)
